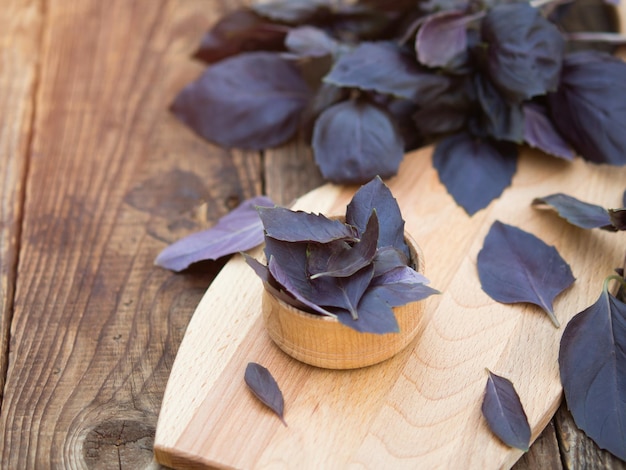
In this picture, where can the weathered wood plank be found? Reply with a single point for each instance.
(577, 450)
(113, 178)
(20, 34)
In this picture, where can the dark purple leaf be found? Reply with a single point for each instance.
(250, 101)
(540, 132)
(442, 38)
(504, 413)
(618, 218)
(624, 199)
(297, 287)
(350, 259)
(240, 31)
(349, 292)
(298, 226)
(579, 213)
(516, 266)
(290, 256)
(308, 41)
(473, 170)
(592, 362)
(264, 387)
(401, 286)
(375, 316)
(589, 108)
(388, 258)
(447, 112)
(524, 51)
(497, 117)
(385, 68)
(239, 230)
(376, 196)
(270, 284)
(354, 141)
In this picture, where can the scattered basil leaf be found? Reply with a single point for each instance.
(376, 196)
(350, 259)
(576, 212)
(540, 132)
(442, 38)
(251, 101)
(239, 31)
(376, 316)
(297, 226)
(589, 108)
(239, 230)
(263, 385)
(367, 68)
(354, 141)
(504, 412)
(524, 51)
(592, 363)
(516, 266)
(475, 171)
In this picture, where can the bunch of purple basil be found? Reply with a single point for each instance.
(367, 81)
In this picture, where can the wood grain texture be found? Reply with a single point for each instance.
(20, 35)
(420, 409)
(112, 179)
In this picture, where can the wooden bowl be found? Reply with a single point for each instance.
(325, 342)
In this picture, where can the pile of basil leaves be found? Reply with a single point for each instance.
(370, 80)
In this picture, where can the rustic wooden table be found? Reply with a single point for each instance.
(95, 179)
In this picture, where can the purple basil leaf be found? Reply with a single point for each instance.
(402, 286)
(624, 199)
(442, 38)
(524, 51)
(516, 266)
(540, 133)
(497, 118)
(578, 213)
(250, 101)
(474, 171)
(589, 108)
(504, 413)
(346, 262)
(375, 316)
(298, 226)
(376, 196)
(290, 256)
(239, 230)
(385, 68)
(289, 11)
(351, 289)
(388, 258)
(592, 362)
(354, 141)
(270, 283)
(447, 112)
(298, 288)
(618, 218)
(308, 41)
(239, 31)
(264, 387)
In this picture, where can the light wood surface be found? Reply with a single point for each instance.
(420, 409)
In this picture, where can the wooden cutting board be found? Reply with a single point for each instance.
(420, 409)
